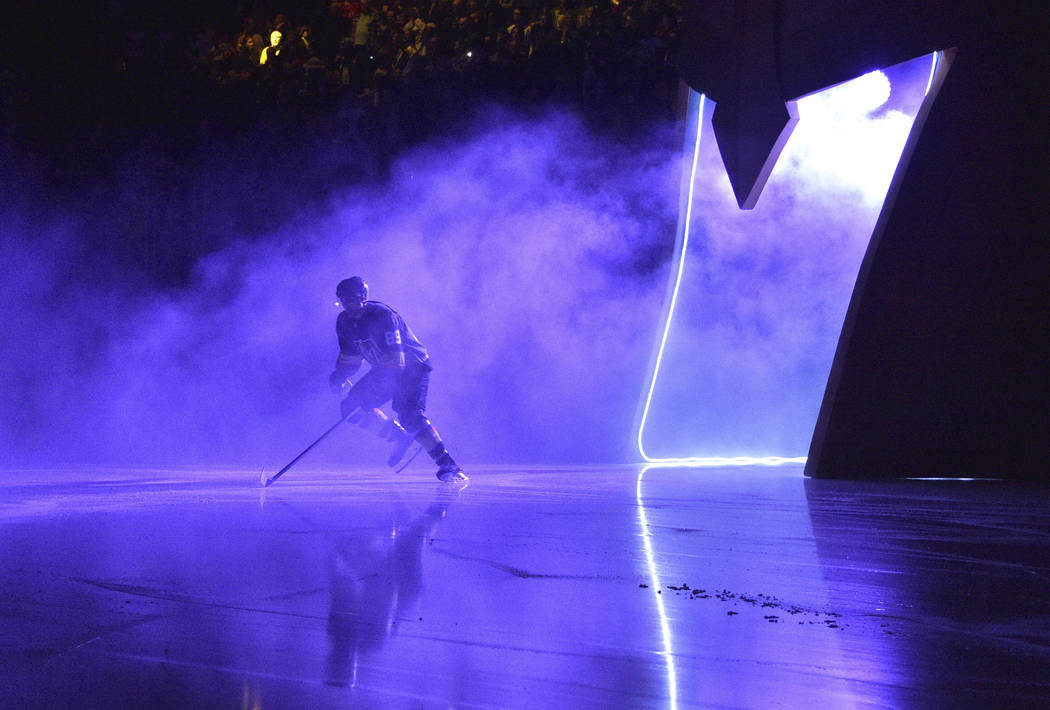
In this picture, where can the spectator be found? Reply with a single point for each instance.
(271, 53)
(365, 25)
(591, 50)
(298, 49)
(518, 25)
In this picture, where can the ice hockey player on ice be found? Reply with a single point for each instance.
(400, 373)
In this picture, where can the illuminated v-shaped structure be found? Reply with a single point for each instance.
(698, 119)
(940, 367)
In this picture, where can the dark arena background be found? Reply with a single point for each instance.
(737, 315)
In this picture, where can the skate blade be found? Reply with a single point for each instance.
(455, 484)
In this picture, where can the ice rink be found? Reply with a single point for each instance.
(613, 587)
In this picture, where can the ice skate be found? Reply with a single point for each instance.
(451, 473)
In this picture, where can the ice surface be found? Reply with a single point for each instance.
(529, 588)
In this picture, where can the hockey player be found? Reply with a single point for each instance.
(400, 373)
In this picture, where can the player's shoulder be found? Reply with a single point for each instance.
(377, 309)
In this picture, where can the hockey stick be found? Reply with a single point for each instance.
(419, 447)
(267, 481)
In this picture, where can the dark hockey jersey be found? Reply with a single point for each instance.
(380, 336)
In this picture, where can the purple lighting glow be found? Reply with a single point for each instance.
(530, 254)
(757, 297)
(525, 251)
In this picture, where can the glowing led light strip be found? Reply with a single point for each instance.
(699, 106)
(654, 585)
(936, 59)
(684, 241)
(955, 479)
(717, 461)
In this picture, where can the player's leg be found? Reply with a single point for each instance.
(361, 407)
(364, 396)
(393, 432)
(410, 401)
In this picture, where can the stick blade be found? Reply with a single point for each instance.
(263, 480)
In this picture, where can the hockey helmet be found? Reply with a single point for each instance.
(352, 289)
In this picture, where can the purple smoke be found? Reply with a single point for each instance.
(530, 256)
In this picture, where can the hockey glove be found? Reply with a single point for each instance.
(339, 382)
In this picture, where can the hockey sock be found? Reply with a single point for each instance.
(389, 428)
(365, 417)
(429, 438)
(441, 456)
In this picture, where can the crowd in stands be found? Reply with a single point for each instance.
(176, 100)
(619, 51)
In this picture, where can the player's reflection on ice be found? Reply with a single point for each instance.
(376, 577)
